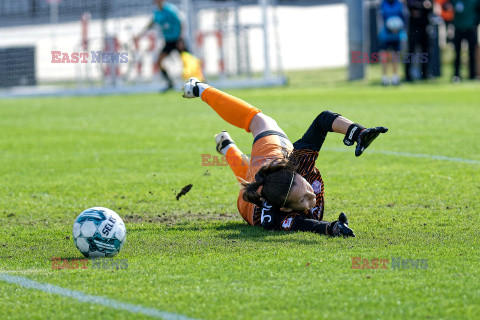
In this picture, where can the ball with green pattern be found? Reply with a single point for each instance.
(99, 232)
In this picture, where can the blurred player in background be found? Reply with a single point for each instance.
(420, 10)
(390, 38)
(465, 22)
(167, 16)
(282, 188)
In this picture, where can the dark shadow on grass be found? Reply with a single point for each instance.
(241, 231)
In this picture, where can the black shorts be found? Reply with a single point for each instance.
(170, 46)
(270, 133)
(178, 45)
(390, 45)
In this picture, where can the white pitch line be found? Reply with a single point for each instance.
(412, 155)
(82, 297)
(386, 152)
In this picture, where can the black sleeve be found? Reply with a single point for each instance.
(271, 218)
(317, 132)
(299, 223)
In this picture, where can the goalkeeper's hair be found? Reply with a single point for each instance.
(277, 180)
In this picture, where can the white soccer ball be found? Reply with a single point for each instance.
(99, 232)
(395, 24)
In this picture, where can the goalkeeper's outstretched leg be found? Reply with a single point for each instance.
(237, 161)
(232, 109)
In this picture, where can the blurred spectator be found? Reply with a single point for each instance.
(465, 23)
(390, 38)
(478, 47)
(444, 9)
(420, 10)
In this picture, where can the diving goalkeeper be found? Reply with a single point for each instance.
(282, 188)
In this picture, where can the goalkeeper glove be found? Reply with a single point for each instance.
(363, 136)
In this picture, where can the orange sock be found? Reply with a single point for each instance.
(233, 110)
(237, 161)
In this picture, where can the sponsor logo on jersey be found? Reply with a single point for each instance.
(317, 186)
(265, 217)
(287, 223)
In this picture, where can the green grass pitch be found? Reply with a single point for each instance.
(195, 256)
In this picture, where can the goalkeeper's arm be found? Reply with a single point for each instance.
(328, 121)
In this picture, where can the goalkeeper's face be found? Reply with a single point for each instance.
(301, 196)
